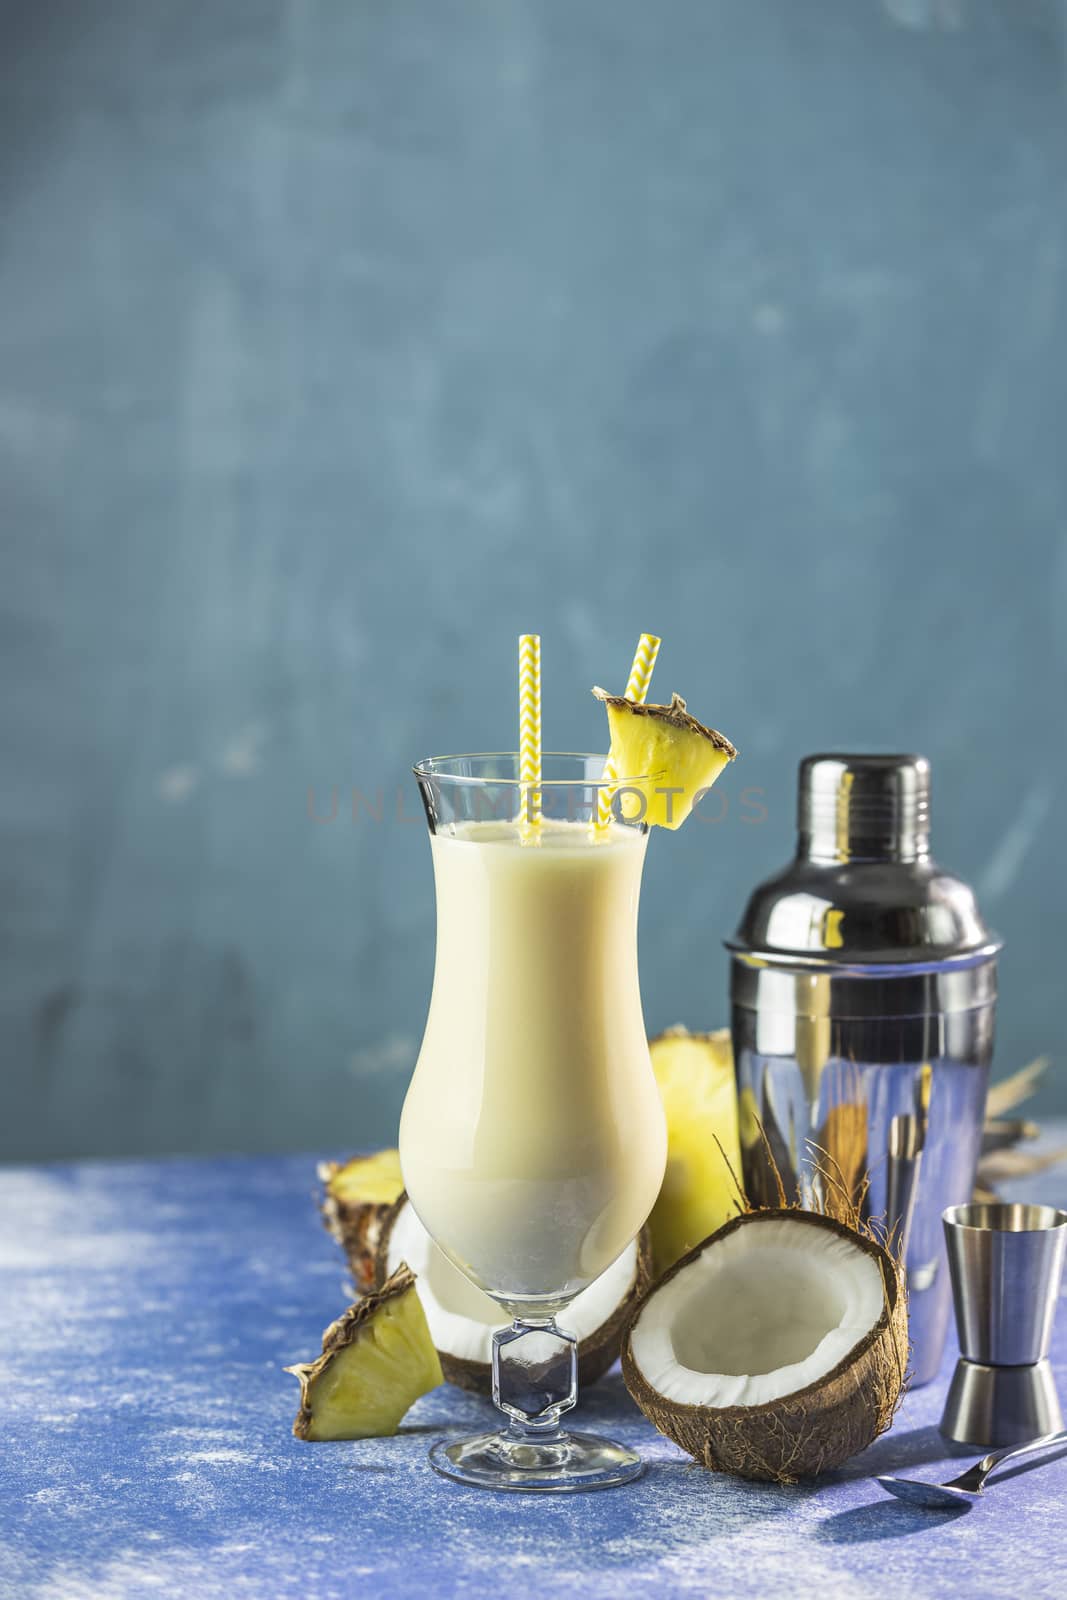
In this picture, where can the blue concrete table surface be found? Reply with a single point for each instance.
(147, 1310)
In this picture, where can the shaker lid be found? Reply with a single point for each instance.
(863, 889)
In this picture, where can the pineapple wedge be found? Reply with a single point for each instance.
(357, 1197)
(376, 1361)
(672, 755)
(695, 1074)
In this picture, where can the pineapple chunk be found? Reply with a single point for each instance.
(364, 1179)
(376, 1361)
(665, 754)
(695, 1074)
(357, 1197)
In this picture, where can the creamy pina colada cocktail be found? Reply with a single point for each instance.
(533, 1140)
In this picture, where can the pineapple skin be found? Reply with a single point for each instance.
(357, 1196)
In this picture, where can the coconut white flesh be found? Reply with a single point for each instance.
(462, 1318)
(771, 1308)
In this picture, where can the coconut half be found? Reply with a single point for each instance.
(776, 1349)
(462, 1318)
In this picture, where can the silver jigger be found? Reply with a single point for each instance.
(1005, 1262)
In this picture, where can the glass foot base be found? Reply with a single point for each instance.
(566, 1462)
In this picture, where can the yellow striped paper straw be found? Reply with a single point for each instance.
(530, 730)
(637, 690)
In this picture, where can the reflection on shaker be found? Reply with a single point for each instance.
(907, 1138)
(842, 1140)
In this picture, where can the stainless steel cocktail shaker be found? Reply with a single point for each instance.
(863, 992)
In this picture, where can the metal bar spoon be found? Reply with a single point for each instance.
(969, 1485)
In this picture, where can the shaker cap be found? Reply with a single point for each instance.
(863, 889)
(863, 808)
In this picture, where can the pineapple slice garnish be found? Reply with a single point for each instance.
(376, 1361)
(672, 757)
(695, 1074)
(357, 1197)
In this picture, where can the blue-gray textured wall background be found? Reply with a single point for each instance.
(342, 340)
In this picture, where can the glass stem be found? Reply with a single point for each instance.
(535, 1377)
